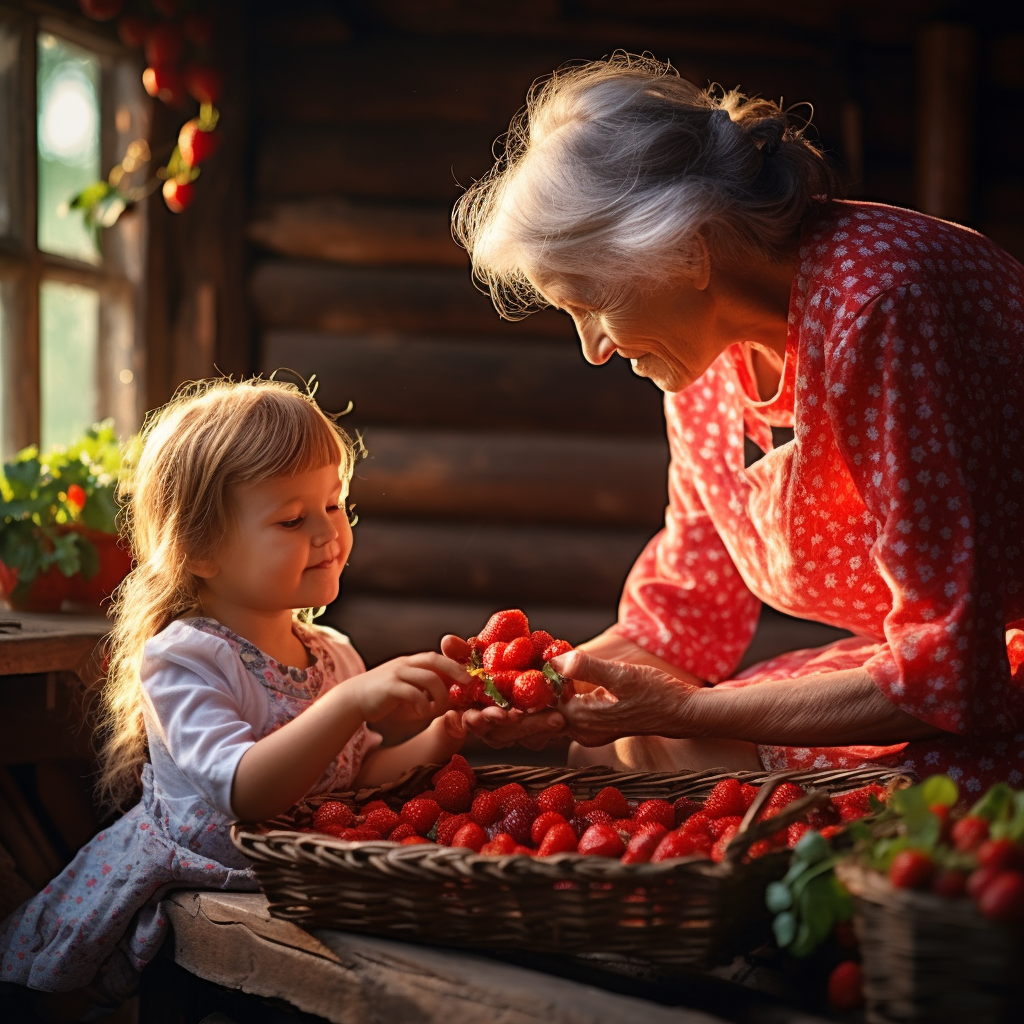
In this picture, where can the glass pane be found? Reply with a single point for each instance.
(69, 334)
(68, 84)
(8, 92)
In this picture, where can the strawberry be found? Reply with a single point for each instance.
(611, 800)
(969, 833)
(541, 640)
(532, 691)
(1003, 898)
(1003, 854)
(365, 833)
(383, 819)
(628, 825)
(494, 657)
(950, 883)
(722, 843)
(415, 841)
(375, 805)
(559, 838)
(857, 803)
(674, 844)
(579, 824)
(178, 195)
(760, 848)
(471, 835)
(203, 82)
(748, 792)
(196, 144)
(508, 795)
(421, 814)
(164, 84)
(162, 45)
(100, 10)
(643, 843)
(131, 30)
(555, 648)
(784, 795)
(978, 881)
(544, 821)
(519, 654)
(911, 869)
(446, 829)
(725, 799)
(485, 810)
(846, 986)
(795, 833)
(718, 826)
(457, 763)
(659, 811)
(558, 798)
(601, 840)
(332, 812)
(501, 844)
(505, 625)
(504, 682)
(518, 823)
(400, 832)
(597, 816)
(460, 696)
(452, 792)
(683, 808)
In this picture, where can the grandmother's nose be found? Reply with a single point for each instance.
(598, 348)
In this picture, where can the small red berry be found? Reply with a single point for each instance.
(421, 813)
(333, 812)
(494, 657)
(911, 869)
(162, 45)
(601, 840)
(541, 640)
(508, 795)
(544, 821)
(950, 883)
(1003, 898)
(76, 496)
(659, 811)
(555, 648)
(846, 986)
(504, 625)
(447, 827)
(560, 838)
(196, 145)
(518, 654)
(725, 799)
(500, 845)
(610, 799)
(178, 195)
(643, 843)
(969, 833)
(532, 691)
(1001, 853)
(203, 83)
(677, 844)
(164, 84)
(485, 810)
(558, 798)
(471, 835)
(453, 792)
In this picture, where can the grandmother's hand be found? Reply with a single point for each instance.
(627, 700)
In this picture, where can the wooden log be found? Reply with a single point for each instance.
(607, 481)
(506, 565)
(478, 383)
(382, 628)
(424, 161)
(287, 293)
(344, 232)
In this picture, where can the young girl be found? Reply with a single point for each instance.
(222, 698)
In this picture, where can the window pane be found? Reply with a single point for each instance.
(8, 92)
(68, 86)
(69, 332)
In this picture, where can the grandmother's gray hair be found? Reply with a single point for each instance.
(616, 171)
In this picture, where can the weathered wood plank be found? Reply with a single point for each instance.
(479, 383)
(608, 481)
(344, 232)
(385, 627)
(36, 642)
(508, 566)
(294, 294)
(425, 161)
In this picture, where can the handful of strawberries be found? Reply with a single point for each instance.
(508, 820)
(510, 666)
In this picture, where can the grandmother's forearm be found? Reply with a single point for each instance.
(830, 709)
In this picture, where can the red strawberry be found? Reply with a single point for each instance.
(501, 844)
(460, 696)
(471, 835)
(795, 833)
(978, 881)
(601, 840)
(178, 195)
(504, 682)
(162, 45)
(541, 640)
(421, 814)
(485, 810)
(100, 10)
(611, 800)
(558, 798)
(628, 825)
(333, 812)
(196, 145)
(452, 791)
(518, 823)
(643, 843)
(415, 841)
(400, 832)
(725, 799)
(494, 657)
(457, 763)
(383, 819)
(846, 986)
(950, 883)
(1003, 898)
(365, 833)
(131, 30)
(784, 795)
(675, 844)
(203, 82)
(857, 803)
(718, 826)
(760, 848)
(969, 833)
(748, 793)
(683, 808)
(505, 625)
(519, 654)
(532, 691)
(579, 824)
(1004, 854)
(597, 816)
(722, 843)
(374, 805)
(508, 795)
(446, 829)
(659, 811)
(559, 838)
(555, 648)
(911, 869)
(544, 821)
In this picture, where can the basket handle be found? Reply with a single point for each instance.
(752, 828)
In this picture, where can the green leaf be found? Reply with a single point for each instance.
(784, 928)
(939, 789)
(777, 897)
(90, 196)
(493, 692)
(812, 847)
(557, 680)
(995, 803)
(88, 558)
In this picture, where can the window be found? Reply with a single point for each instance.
(71, 107)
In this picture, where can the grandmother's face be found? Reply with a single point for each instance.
(667, 332)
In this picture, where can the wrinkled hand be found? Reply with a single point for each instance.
(627, 700)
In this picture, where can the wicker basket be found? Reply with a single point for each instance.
(930, 959)
(689, 911)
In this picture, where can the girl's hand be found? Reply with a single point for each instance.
(623, 700)
(500, 728)
(405, 692)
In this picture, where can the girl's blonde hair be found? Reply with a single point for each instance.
(176, 508)
(614, 168)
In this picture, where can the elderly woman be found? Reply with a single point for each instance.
(696, 234)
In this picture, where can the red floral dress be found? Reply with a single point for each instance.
(896, 511)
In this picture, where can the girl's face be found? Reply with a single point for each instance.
(285, 549)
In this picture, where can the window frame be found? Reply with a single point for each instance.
(24, 267)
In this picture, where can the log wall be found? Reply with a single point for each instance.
(502, 469)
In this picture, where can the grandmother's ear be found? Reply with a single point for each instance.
(701, 272)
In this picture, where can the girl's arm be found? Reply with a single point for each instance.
(278, 770)
(433, 745)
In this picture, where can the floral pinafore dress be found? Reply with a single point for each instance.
(100, 921)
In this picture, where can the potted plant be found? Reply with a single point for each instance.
(58, 534)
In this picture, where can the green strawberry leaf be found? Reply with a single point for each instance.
(784, 928)
(939, 789)
(493, 692)
(777, 897)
